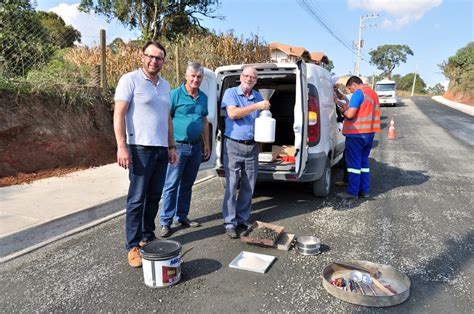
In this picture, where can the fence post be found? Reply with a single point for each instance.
(177, 64)
(103, 62)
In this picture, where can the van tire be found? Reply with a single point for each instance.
(322, 186)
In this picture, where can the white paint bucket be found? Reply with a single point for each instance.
(161, 263)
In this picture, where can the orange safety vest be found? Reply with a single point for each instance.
(367, 118)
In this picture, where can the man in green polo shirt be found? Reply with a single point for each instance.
(188, 109)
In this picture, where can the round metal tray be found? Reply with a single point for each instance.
(398, 281)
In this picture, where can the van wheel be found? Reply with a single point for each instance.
(322, 186)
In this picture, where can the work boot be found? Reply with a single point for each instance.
(165, 231)
(364, 195)
(134, 258)
(231, 233)
(340, 183)
(346, 196)
(144, 242)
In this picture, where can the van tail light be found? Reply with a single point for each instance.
(314, 120)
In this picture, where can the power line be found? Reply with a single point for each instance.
(321, 18)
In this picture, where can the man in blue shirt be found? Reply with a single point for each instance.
(241, 104)
(188, 108)
(144, 134)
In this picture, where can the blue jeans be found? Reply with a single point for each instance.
(179, 183)
(147, 176)
(240, 165)
(357, 153)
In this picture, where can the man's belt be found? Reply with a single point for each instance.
(190, 142)
(246, 142)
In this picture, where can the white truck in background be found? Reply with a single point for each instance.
(386, 90)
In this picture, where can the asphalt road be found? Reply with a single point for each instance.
(459, 124)
(419, 221)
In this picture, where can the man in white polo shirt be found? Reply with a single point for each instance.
(144, 134)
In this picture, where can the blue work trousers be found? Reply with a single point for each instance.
(179, 183)
(357, 162)
(147, 176)
(240, 165)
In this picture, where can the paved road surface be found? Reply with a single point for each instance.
(419, 221)
(460, 125)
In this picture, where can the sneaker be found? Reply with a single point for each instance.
(134, 258)
(186, 223)
(340, 183)
(247, 225)
(165, 231)
(364, 195)
(346, 196)
(231, 233)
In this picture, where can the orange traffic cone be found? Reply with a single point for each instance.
(392, 134)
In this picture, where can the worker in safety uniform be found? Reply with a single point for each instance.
(362, 121)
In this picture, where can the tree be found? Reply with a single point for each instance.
(155, 17)
(459, 70)
(387, 57)
(23, 41)
(406, 83)
(328, 66)
(29, 38)
(60, 34)
(438, 89)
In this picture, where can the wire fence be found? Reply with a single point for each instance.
(39, 48)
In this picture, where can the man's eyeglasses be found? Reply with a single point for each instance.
(156, 58)
(249, 76)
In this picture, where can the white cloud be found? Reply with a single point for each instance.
(90, 24)
(400, 12)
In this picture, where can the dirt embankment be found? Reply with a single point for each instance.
(459, 97)
(41, 137)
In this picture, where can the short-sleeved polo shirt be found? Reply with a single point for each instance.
(187, 113)
(146, 119)
(243, 128)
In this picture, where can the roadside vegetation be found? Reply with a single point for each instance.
(459, 70)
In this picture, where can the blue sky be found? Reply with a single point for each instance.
(433, 29)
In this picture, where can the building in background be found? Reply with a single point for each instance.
(281, 53)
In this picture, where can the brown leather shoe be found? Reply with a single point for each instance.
(134, 258)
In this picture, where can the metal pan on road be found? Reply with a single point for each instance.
(390, 278)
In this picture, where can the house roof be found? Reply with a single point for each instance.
(316, 57)
(289, 50)
(319, 57)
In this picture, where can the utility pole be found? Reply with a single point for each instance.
(359, 42)
(414, 81)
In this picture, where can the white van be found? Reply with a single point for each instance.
(305, 115)
(386, 90)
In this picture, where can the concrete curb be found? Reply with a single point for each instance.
(33, 238)
(455, 105)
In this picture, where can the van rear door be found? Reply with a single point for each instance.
(209, 87)
(300, 125)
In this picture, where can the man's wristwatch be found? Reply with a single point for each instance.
(171, 146)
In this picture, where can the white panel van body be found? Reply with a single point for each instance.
(306, 122)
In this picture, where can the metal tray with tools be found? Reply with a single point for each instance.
(277, 231)
(389, 286)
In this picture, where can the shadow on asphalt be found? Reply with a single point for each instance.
(199, 267)
(281, 200)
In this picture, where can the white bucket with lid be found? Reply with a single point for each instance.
(161, 263)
